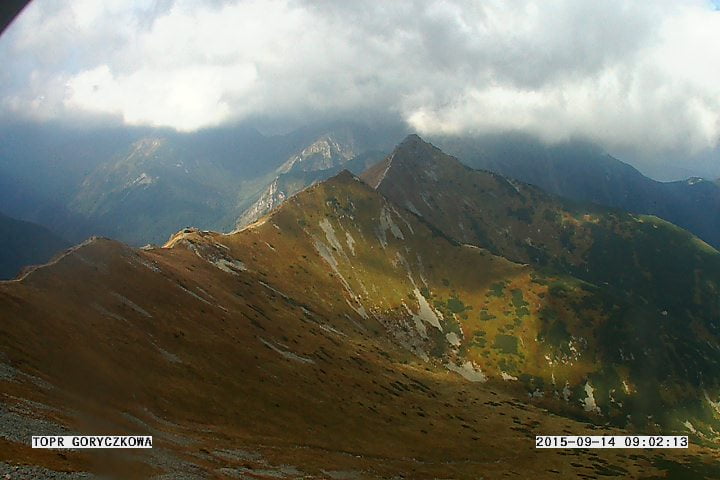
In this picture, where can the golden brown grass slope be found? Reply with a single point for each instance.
(642, 306)
(291, 349)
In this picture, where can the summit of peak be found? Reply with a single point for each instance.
(344, 175)
(414, 141)
(342, 179)
(413, 137)
(413, 155)
(415, 149)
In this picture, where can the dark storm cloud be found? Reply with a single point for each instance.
(640, 75)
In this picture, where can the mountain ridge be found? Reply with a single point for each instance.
(594, 245)
(385, 323)
(584, 172)
(325, 157)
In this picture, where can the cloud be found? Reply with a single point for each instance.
(184, 97)
(643, 75)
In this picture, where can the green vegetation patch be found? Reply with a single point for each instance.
(451, 307)
(554, 331)
(521, 306)
(455, 305)
(517, 299)
(478, 339)
(497, 289)
(486, 316)
(508, 365)
(507, 344)
(439, 345)
(559, 289)
(537, 254)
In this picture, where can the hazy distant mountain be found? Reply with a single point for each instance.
(582, 171)
(141, 185)
(42, 166)
(343, 146)
(23, 244)
(326, 152)
(299, 176)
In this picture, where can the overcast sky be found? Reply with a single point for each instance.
(630, 75)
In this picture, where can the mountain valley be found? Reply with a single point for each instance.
(422, 320)
(301, 240)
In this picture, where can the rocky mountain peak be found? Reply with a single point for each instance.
(344, 176)
(416, 150)
(325, 152)
(412, 158)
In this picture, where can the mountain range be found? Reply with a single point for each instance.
(320, 161)
(584, 172)
(140, 185)
(423, 319)
(639, 273)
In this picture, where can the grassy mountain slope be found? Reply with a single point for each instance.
(524, 224)
(585, 173)
(209, 179)
(23, 244)
(141, 190)
(295, 348)
(161, 184)
(642, 292)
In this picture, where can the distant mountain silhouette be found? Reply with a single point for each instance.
(23, 244)
(582, 171)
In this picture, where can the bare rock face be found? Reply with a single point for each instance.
(316, 162)
(326, 152)
(270, 198)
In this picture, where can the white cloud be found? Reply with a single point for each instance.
(643, 75)
(186, 98)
